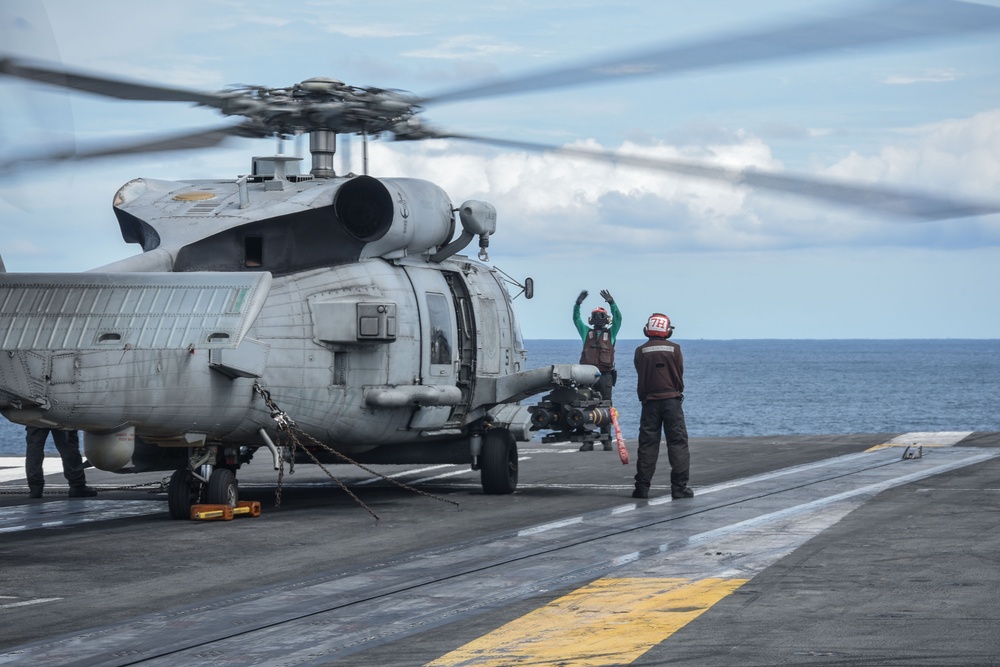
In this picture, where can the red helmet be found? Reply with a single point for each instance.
(658, 326)
(599, 316)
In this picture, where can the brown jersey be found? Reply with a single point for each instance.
(598, 350)
(659, 365)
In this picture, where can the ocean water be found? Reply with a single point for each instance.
(810, 387)
(798, 387)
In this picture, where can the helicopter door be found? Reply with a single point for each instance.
(438, 348)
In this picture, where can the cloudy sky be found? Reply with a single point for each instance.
(723, 261)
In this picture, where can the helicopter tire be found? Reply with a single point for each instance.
(222, 488)
(498, 462)
(181, 494)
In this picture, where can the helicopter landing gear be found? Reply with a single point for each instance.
(498, 462)
(187, 489)
(222, 488)
(184, 491)
(209, 477)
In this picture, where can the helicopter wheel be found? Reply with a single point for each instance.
(182, 493)
(498, 462)
(222, 489)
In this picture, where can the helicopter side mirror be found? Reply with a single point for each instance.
(529, 288)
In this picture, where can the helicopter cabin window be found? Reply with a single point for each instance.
(440, 321)
(253, 252)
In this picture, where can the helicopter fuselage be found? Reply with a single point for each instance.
(339, 302)
(361, 355)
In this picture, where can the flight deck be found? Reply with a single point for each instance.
(843, 549)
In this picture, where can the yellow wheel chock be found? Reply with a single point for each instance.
(225, 512)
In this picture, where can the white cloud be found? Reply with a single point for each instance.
(466, 46)
(369, 30)
(929, 76)
(268, 21)
(564, 202)
(960, 156)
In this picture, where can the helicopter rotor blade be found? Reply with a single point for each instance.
(105, 86)
(887, 23)
(899, 202)
(179, 142)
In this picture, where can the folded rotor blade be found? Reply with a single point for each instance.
(116, 88)
(895, 22)
(898, 202)
(187, 141)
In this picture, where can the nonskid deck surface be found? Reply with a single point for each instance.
(520, 578)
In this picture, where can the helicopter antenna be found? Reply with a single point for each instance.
(364, 153)
(345, 154)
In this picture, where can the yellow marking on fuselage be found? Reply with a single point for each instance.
(608, 622)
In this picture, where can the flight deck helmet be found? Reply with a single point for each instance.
(658, 326)
(599, 318)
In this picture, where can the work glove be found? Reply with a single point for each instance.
(607, 296)
(579, 299)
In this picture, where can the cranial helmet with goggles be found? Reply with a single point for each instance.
(658, 326)
(599, 317)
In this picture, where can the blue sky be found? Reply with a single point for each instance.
(722, 261)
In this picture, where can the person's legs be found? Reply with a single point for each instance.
(649, 445)
(678, 453)
(605, 385)
(68, 444)
(34, 455)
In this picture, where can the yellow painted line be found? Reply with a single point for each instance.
(887, 445)
(608, 622)
(925, 439)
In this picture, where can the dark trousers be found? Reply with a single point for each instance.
(666, 415)
(604, 387)
(68, 444)
(605, 384)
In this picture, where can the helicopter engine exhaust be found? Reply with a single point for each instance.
(394, 216)
(364, 207)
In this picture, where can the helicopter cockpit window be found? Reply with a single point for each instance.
(440, 321)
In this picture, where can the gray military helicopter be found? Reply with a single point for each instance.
(340, 307)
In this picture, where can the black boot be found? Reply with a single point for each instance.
(35, 491)
(681, 492)
(82, 491)
(640, 492)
